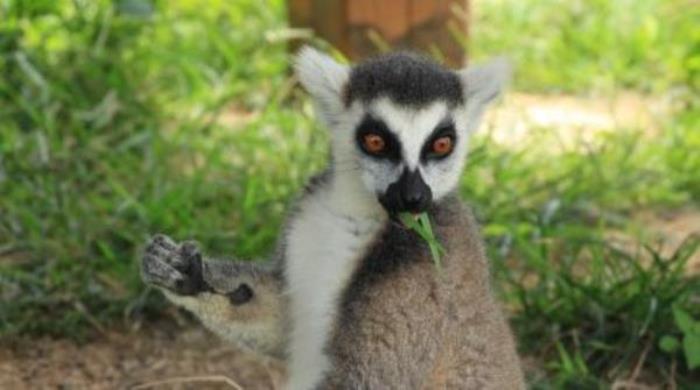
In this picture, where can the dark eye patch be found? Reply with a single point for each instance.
(242, 294)
(446, 128)
(371, 125)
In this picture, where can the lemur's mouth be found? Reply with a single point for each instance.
(408, 194)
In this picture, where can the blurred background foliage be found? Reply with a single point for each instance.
(123, 118)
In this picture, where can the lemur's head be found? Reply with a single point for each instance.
(400, 121)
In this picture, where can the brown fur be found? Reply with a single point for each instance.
(413, 328)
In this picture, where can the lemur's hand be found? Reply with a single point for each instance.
(176, 267)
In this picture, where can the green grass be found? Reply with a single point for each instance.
(120, 121)
(586, 46)
(582, 304)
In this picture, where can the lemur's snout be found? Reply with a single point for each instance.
(408, 194)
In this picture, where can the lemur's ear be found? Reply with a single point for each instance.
(482, 84)
(323, 78)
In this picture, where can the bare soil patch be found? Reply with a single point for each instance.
(572, 120)
(129, 359)
(665, 233)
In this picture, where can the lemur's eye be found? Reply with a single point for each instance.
(373, 143)
(441, 142)
(240, 295)
(442, 146)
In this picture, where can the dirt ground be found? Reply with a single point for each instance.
(188, 358)
(570, 122)
(665, 233)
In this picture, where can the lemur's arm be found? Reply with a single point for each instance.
(241, 302)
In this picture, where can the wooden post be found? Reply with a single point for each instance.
(361, 28)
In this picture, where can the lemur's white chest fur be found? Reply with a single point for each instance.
(329, 235)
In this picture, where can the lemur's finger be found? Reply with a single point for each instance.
(158, 272)
(161, 252)
(189, 250)
(169, 254)
(164, 241)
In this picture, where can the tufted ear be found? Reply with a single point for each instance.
(482, 84)
(324, 78)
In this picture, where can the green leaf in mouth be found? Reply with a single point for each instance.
(420, 223)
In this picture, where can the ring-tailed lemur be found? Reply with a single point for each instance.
(353, 301)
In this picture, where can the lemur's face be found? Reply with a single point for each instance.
(409, 156)
(399, 122)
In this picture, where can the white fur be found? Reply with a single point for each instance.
(325, 242)
(323, 78)
(482, 84)
(331, 230)
(411, 126)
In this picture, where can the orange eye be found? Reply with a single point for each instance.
(373, 143)
(442, 146)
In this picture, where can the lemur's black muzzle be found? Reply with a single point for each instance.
(408, 194)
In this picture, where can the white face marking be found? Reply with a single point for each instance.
(413, 128)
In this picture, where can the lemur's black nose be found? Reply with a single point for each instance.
(409, 193)
(415, 194)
